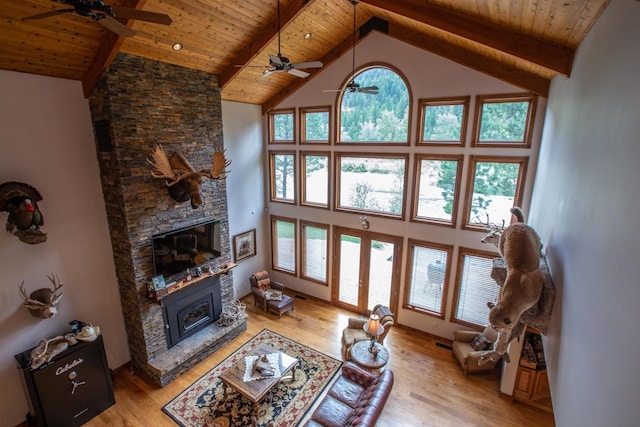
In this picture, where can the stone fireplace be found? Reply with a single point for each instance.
(138, 104)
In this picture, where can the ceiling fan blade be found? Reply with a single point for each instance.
(48, 14)
(275, 59)
(266, 73)
(298, 73)
(311, 64)
(372, 90)
(116, 26)
(141, 15)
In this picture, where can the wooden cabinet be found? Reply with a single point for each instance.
(70, 390)
(532, 382)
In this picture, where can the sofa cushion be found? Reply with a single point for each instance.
(346, 391)
(481, 343)
(332, 413)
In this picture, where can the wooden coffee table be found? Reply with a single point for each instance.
(361, 355)
(256, 390)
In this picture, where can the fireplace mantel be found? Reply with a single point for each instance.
(158, 295)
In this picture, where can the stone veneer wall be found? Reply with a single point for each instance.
(145, 103)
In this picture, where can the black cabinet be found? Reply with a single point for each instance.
(73, 388)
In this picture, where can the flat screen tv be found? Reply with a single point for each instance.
(176, 251)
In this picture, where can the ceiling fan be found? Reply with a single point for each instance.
(281, 64)
(352, 86)
(105, 15)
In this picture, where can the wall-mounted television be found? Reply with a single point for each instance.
(178, 250)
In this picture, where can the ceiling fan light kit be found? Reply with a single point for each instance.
(106, 15)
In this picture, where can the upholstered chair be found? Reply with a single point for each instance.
(354, 333)
(468, 347)
(269, 294)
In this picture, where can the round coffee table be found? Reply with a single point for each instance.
(361, 355)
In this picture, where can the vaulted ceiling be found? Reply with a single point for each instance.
(523, 42)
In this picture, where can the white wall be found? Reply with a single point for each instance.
(243, 139)
(46, 140)
(429, 76)
(586, 207)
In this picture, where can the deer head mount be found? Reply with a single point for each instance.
(43, 302)
(182, 180)
(493, 232)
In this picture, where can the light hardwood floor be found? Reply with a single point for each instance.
(429, 387)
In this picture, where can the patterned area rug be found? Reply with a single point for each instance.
(203, 404)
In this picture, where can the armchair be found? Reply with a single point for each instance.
(468, 346)
(269, 294)
(354, 333)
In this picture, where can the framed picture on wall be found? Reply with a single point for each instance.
(244, 245)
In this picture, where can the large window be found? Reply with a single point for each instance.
(504, 120)
(474, 288)
(282, 126)
(314, 176)
(427, 277)
(372, 184)
(381, 118)
(282, 170)
(443, 120)
(314, 251)
(283, 244)
(496, 186)
(436, 190)
(315, 125)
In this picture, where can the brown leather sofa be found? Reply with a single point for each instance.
(356, 398)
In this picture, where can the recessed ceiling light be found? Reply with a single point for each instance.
(307, 36)
(177, 46)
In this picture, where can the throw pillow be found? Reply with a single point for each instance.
(273, 295)
(481, 343)
(262, 280)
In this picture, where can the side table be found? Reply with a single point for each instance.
(361, 355)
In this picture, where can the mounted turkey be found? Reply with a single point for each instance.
(20, 200)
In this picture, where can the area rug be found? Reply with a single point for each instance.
(203, 404)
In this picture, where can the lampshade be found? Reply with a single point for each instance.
(373, 328)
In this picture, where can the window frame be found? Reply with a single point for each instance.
(338, 107)
(415, 201)
(303, 250)
(274, 246)
(302, 112)
(423, 103)
(481, 100)
(271, 126)
(462, 251)
(272, 177)
(338, 178)
(303, 178)
(412, 243)
(517, 198)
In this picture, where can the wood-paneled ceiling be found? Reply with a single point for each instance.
(523, 42)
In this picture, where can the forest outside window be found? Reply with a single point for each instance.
(314, 250)
(427, 277)
(474, 288)
(315, 125)
(381, 118)
(314, 176)
(436, 191)
(283, 244)
(496, 185)
(504, 120)
(371, 184)
(282, 170)
(281, 126)
(443, 121)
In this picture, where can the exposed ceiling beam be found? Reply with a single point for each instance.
(541, 52)
(108, 50)
(517, 77)
(247, 54)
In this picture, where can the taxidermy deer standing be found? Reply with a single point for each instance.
(519, 245)
(43, 302)
(181, 179)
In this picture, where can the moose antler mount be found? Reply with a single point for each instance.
(182, 180)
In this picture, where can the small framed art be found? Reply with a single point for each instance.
(244, 245)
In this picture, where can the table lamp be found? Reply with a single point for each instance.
(373, 329)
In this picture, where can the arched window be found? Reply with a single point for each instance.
(381, 118)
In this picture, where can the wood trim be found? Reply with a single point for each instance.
(528, 128)
(302, 112)
(423, 103)
(293, 221)
(303, 250)
(272, 176)
(271, 126)
(538, 51)
(303, 178)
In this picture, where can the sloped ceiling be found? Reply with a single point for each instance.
(523, 42)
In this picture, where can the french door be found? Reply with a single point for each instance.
(366, 269)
